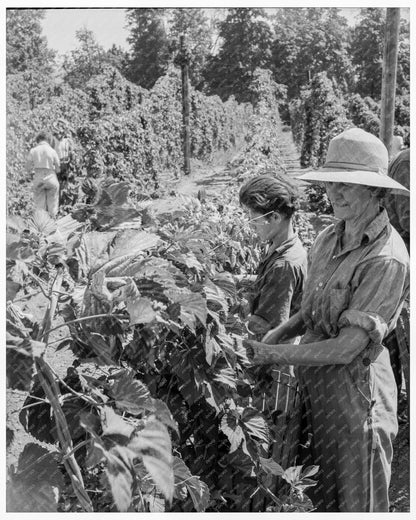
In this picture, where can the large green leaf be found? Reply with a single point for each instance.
(140, 311)
(20, 361)
(255, 424)
(16, 223)
(193, 305)
(66, 227)
(12, 288)
(34, 487)
(196, 488)
(270, 466)
(227, 283)
(212, 350)
(114, 424)
(230, 425)
(215, 297)
(162, 412)
(130, 395)
(93, 251)
(154, 446)
(119, 471)
(189, 260)
(227, 377)
(42, 223)
(101, 348)
(112, 207)
(155, 503)
(131, 242)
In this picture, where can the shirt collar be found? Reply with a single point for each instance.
(372, 231)
(281, 248)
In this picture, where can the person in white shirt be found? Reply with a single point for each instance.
(44, 161)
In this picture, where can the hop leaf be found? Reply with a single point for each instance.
(184, 480)
(140, 311)
(34, 487)
(154, 446)
(130, 394)
(232, 429)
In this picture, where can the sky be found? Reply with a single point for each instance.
(108, 26)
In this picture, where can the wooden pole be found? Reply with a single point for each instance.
(388, 86)
(185, 107)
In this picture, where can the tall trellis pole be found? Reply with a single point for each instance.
(184, 60)
(388, 87)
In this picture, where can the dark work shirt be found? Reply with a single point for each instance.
(397, 203)
(277, 291)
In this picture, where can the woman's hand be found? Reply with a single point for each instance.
(257, 353)
(272, 336)
(285, 331)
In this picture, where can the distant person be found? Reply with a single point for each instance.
(44, 161)
(397, 204)
(397, 145)
(63, 146)
(398, 209)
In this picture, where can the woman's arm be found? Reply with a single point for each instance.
(291, 328)
(334, 351)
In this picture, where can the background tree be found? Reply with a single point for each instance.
(403, 58)
(246, 42)
(367, 51)
(149, 55)
(29, 61)
(86, 61)
(26, 48)
(117, 57)
(309, 41)
(194, 24)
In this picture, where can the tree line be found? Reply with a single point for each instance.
(311, 53)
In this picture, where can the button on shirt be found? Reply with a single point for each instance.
(43, 156)
(362, 286)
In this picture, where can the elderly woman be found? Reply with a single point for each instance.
(358, 278)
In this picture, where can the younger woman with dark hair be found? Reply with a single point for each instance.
(271, 202)
(276, 292)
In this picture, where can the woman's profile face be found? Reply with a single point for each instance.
(264, 225)
(349, 200)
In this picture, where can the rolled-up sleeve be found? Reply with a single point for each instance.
(378, 291)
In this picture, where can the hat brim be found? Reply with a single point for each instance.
(362, 177)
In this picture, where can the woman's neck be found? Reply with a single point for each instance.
(355, 227)
(284, 233)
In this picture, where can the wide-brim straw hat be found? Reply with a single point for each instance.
(356, 157)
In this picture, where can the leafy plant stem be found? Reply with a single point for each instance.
(51, 390)
(50, 313)
(40, 284)
(76, 448)
(85, 318)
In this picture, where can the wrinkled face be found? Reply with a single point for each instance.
(349, 200)
(265, 226)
